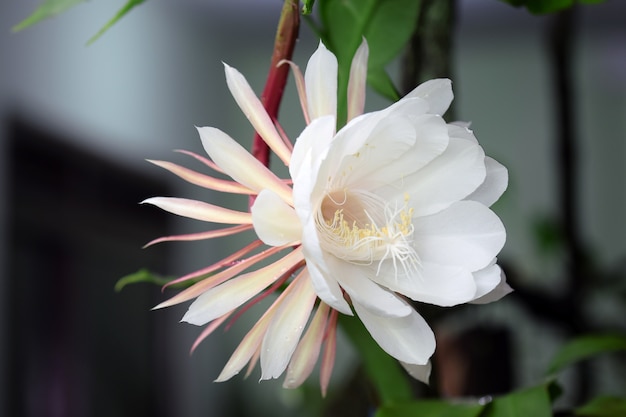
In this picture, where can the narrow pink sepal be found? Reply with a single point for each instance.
(227, 261)
(328, 359)
(200, 210)
(208, 330)
(300, 87)
(254, 110)
(202, 235)
(205, 161)
(202, 180)
(214, 280)
(358, 81)
(308, 350)
(253, 361)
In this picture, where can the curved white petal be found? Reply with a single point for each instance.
(408, 339)
(450, 177)
(358, 81)
(441, 285)
(486, 291)
(366, 292)
(320, 78)
(275, 222)
(237, 162)
(419, 372)
(328, 289)
(252, 107)
(375, 163)
(311, 146)
(495, 183)
(466, 234)
(437, 92)
(284, 332)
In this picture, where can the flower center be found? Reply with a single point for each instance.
(361, 228)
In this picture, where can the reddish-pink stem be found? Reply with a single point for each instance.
(284, 43)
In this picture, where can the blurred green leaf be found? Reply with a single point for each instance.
(307, 7)
(547, 6)
(130, 4)
(430, 408)
(388, 377)
(603, 407)
(380, 81)
(387, 26)
(585, 347)
(143, 275)
(45, 10)
(533, 402)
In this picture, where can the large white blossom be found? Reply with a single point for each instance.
(391, 208)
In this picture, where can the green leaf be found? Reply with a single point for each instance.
(143, 275)
(548, 6)
(387, 26)
(430, 408)
(389, 379)
(533, 402)
(380, 81)
(603, 407)
(307, 7)
(130, 4)
(586, 347)
(45, 10)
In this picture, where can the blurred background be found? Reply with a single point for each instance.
(77, 122)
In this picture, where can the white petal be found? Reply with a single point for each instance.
(466, 234)
(366, 292)
(237, 162)
(199, 210)
(495, 183)
(252, 107)
(284, 333)
(327, 289)
(358, 81)
(321, 83)
(450, 177)
(486, 292)
(325, 284)
(419, 372)
(436, 284)
(311, 146)
(437, 92)
(275, 222)
(408, 339)
(374, 164)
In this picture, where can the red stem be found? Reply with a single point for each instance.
(284, 43)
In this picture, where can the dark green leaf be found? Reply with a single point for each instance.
(586, 347)
(548, 6)
(603, 407)
(47, 9)
(143, 275)
(534, 402)
(130, 4)
(388, 377)
(430, 408)
(387, 26)
(380, 81)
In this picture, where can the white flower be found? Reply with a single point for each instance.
(392, 207)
